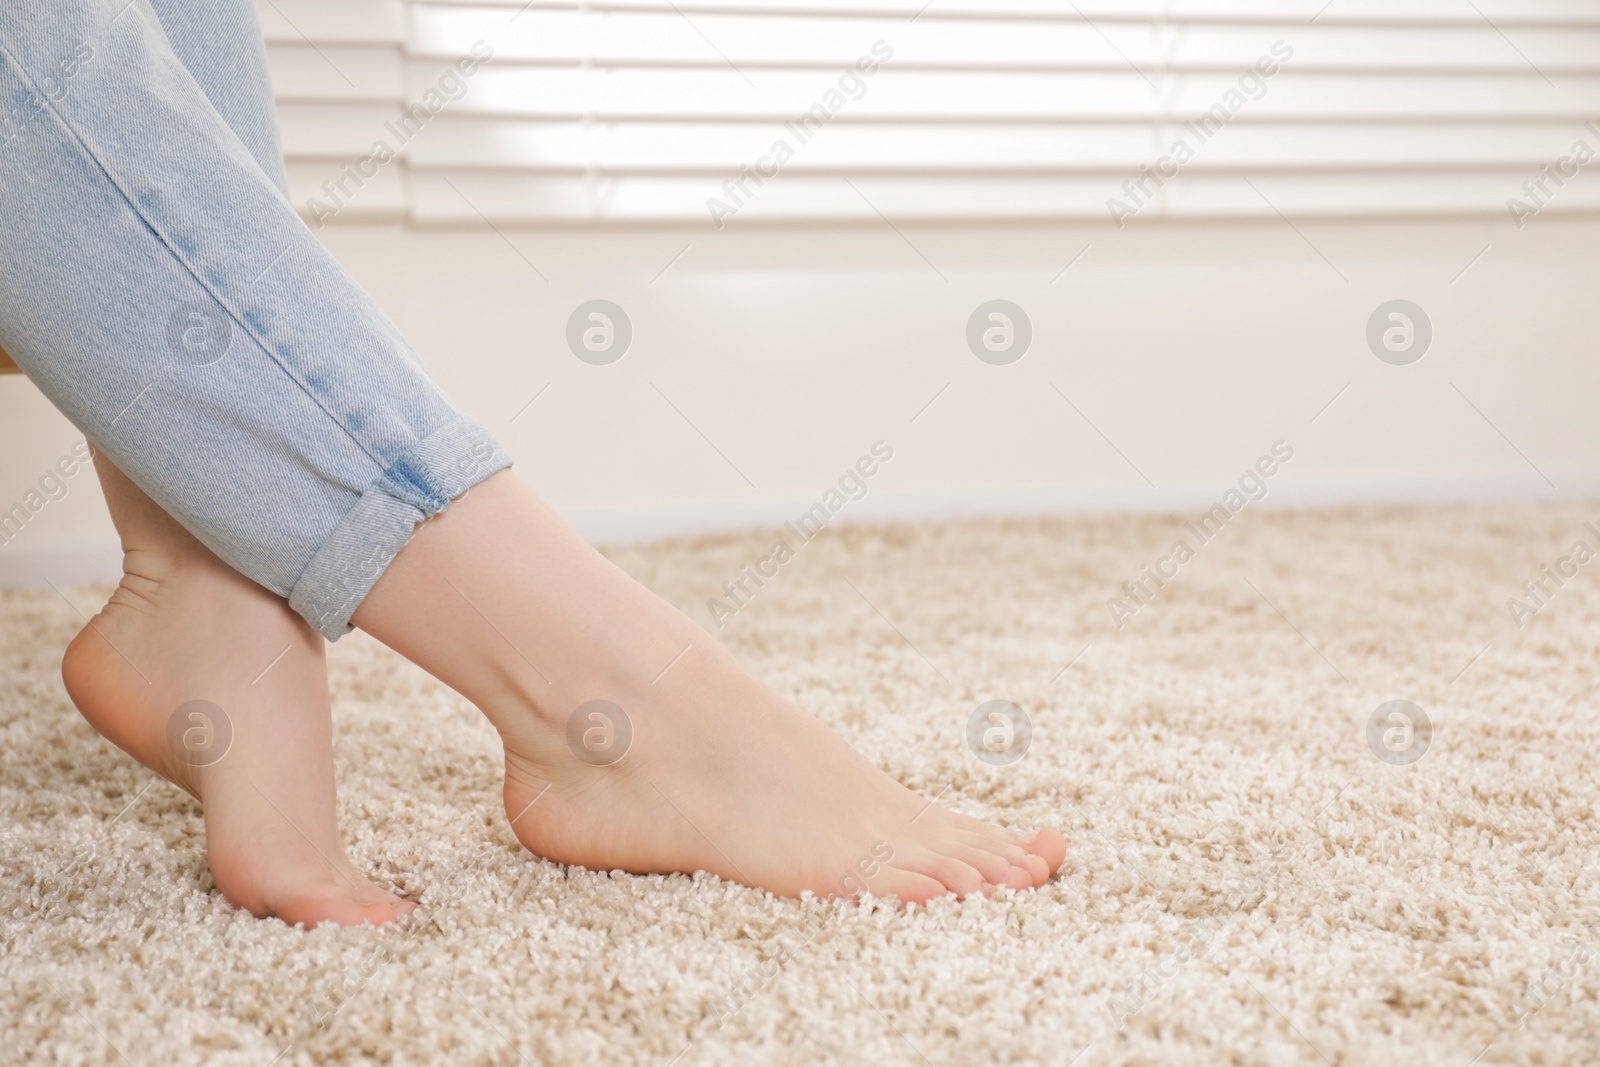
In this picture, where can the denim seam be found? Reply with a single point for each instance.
(347, 606)
(352, 599)
(133, 206)
(405, 481)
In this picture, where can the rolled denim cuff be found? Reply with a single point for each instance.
(420, 484)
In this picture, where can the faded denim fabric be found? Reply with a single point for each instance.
(157, 285)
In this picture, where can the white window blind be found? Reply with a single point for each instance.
(642, 110)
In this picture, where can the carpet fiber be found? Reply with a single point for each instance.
(1246, 881)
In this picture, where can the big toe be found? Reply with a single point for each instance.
(1048, 845)
(343, 908)
(310, 896)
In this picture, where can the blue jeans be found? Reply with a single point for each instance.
(157, 285)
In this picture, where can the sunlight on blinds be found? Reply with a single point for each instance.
(461, 111)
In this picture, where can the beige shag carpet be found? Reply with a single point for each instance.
(1246, 881)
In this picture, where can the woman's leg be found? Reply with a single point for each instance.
(182, 625)
(219, 44)
(157, 286)
(504, 602)
(213, 683)
(159, 289)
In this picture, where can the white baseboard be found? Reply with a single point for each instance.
(649, 522)
(28, 566)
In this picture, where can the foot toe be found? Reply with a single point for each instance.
(337, 903)
(1014, 854)
(908, 886)
(1048, 845)
(996, 869)
(958, 877)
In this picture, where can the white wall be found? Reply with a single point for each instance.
(1192, 347)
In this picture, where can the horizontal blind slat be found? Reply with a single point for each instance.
(639, 110)
(337, 72)
(1507, 14)
(755, 41)
(721, 95)
(722, 149)
(459, 197)
(332, 21)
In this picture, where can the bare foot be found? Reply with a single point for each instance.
(725, 776)
(215, 684)
(503, 601)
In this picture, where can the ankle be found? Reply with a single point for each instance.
(146, 571)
